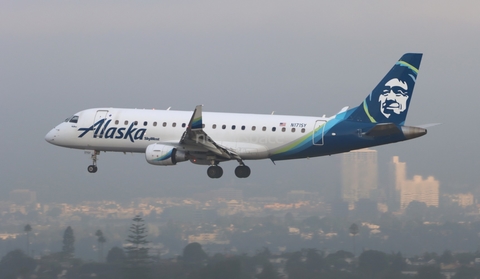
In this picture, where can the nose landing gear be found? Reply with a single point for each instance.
(93, 167)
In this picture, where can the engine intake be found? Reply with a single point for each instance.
(163, 155)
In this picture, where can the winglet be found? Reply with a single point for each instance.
(196, 120)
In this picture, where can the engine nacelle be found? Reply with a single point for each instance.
(163, 155)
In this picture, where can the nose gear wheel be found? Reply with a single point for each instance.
(93, 167)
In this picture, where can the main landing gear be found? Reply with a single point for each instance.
(242, 171)
(93, 167)
(216, 171)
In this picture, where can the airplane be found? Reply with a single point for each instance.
(168, 137)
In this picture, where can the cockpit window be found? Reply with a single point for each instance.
(74, 119)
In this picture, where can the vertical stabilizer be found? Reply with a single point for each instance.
(389, 101)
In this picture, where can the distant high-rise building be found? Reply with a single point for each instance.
(419, 189)
(359, 175)
(464, 200)
(397, 175)
(400, 172)
(416, 189)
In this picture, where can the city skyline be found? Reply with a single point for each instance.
(211, 208)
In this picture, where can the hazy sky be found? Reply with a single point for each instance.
(293, 57)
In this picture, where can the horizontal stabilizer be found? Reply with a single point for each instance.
(383, 129)
(344, 109)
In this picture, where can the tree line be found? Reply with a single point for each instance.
(134, 260)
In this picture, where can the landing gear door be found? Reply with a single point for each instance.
(318, 130)
(101, 114)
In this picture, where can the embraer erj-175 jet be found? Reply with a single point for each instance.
(168, 137)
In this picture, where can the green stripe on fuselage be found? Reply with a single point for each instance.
(297, 142)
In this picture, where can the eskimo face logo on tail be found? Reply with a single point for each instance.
(389, 100)
(104, 131)
(393, 99)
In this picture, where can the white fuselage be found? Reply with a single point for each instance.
(251, 136)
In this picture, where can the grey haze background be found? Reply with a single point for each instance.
(293, 57)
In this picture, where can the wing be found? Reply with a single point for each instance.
(195, 139)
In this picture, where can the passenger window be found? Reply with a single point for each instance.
(283, 129)
(174, 124)
(74, 119)
(145, 123)
(303, 130)
(274, 129)
(243, 127)
(224, 126)
(183, 125)
(116, 122)
(253, 128)
(214, 126)
(155, 124)
(126, 122)
(293, 130)
(264, 128)
(233, 127)
(164, 124)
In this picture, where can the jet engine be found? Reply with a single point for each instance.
(164, 155)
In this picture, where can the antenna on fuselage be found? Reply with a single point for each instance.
(169, 108)
(273, 112)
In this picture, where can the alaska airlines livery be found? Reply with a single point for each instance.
(168, 137)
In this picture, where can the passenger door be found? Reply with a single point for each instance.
(318, 130)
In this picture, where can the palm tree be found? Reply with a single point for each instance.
(354, 231)
(28, 229)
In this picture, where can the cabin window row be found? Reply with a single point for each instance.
(214, 126)
(145, 123)
(254, 128)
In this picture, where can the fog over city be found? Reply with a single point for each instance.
(292, 57)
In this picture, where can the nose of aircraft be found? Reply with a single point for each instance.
(50, 136)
